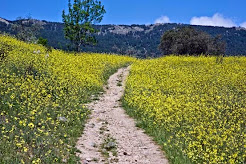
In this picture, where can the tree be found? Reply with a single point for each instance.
(78, 22)
(188, 41)
(42, 41)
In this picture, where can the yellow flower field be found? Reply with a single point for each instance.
(41, 99)
(195, 107)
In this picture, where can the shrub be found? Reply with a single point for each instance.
(188, 41)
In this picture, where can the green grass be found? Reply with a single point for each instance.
(160, 136)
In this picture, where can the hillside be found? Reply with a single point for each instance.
(138, 40)
(42, 99)
(56, 108)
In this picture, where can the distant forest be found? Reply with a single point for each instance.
(136, 40)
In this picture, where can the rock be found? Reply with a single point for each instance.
(110, 145)
(93, 144)
(104, 151)
(63, 119)
(46, 56)
(36, 52)
(91, 125)
(88, 159)
(85, 162)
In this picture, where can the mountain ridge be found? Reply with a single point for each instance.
(136, 40)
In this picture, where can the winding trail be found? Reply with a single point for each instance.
(110, 136)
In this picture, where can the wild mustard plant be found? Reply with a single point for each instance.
(42, 97)
(194, 106)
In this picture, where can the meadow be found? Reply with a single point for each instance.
(194, 107)
(42, 97)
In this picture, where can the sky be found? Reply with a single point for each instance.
(227, 13)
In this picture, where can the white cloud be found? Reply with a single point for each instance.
(243, 24)
(216, 20)
(163, 19)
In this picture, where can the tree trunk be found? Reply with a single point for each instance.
(78, 45)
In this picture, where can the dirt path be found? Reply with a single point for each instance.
(110, 136)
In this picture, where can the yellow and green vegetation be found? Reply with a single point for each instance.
(41, 99)
(195, 107)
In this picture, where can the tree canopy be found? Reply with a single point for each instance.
(78, 22)
(188, 41)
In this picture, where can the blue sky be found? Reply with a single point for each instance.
(207, 12)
